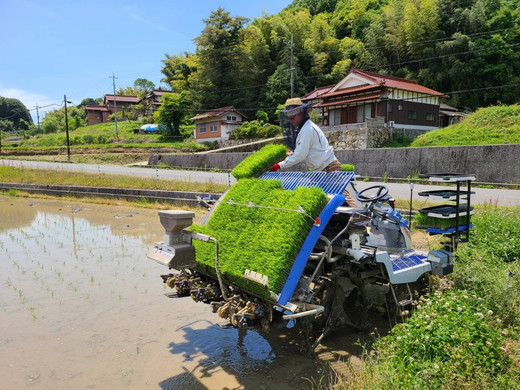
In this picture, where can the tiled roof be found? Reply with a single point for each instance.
(214, 113)
(96, 108)
(350, 90)
(317, 92)
(396, 82)
(352, 99)
(122, 98)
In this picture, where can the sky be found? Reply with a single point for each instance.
(52, 48)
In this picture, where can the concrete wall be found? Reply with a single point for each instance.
(490, 163)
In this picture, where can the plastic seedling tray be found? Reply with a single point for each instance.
(445, 194)
(445, 211)
(447, 177)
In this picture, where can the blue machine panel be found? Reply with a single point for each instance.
(306, 249)
(402, 263)
(332, 183)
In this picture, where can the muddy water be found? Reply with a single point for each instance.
(81, 307)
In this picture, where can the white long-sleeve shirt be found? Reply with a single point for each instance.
(312, 147)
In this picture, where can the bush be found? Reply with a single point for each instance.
(88, 139)
(102, 139)
(259, 162)
(255, 129)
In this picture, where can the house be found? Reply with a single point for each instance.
(216, 124)
(314, 97)
(361, 95)
(112, 104)
(97, 114)
(152, 101)
(450, 115)
(153, 97)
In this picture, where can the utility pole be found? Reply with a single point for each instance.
(38, 116)
(67, 127)
(113, 77)
(292, 67)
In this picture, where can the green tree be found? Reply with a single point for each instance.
(141, 87)
(15, 111)
(173, 111)
(315, 6)
(54, 121)
(6, 125)
(220, 58)
(144, 85)
(90, 102)
(177, 70)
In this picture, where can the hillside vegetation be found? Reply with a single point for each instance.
(486, 126)
(89, 139)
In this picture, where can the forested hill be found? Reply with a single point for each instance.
(468, 49)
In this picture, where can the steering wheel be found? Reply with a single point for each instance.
(382, 192)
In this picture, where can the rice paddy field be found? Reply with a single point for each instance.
(81, 307)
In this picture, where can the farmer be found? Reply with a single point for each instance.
(305, 139)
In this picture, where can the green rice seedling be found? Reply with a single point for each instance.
(259, 162)
(348, 167)
(440, 223)
(261, 239)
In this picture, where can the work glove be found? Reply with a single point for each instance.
(275, 167)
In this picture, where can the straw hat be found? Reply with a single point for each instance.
(293, 106)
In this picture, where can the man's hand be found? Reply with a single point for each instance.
(275, 167)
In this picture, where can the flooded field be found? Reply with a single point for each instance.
(81, 307)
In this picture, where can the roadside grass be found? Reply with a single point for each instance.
(39, 176)
(465, 334)
(89, 158)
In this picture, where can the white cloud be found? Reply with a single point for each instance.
(30, 100)
(131, 11)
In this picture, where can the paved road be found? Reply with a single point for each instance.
(399, 191)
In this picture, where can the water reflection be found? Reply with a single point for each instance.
(238, 350)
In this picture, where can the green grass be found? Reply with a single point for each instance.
(260, 239)
(486, 126)
(103, 135)
(467, 335)
(39, 176)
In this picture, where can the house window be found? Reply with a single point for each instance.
(232, 118)
(202, 129)
(412, 114)
(400, 107)
(389, 108)
(430, 117)
(213, 129)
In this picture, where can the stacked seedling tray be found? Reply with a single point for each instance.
(452, 219)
